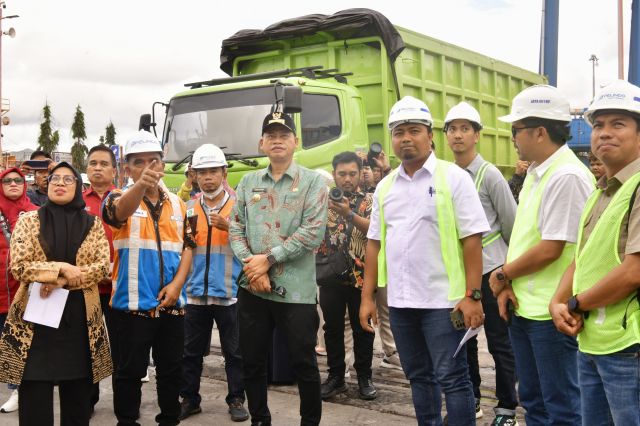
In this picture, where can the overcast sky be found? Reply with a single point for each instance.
(115, 58)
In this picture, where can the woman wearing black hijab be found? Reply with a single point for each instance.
(60, 245)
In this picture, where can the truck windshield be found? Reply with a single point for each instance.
(231, 119)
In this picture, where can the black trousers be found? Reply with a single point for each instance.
(136, 336)
(500, 349)
(333, 301)
(36, 402)
(257, 318)
(109, 320)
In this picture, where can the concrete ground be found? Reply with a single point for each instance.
(392, 407)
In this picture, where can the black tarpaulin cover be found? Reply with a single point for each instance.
(349, 23)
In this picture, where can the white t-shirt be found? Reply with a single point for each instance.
(416, 276)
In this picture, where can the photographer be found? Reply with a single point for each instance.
(339, 272)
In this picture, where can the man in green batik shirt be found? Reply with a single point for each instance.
(278, 221)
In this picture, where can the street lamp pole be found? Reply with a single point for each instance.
(594, 60)
(11, 33)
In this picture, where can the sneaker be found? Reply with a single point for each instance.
(392, 361)
(237, 411)
(187, 409)
(321, 351)
(11, 404)
(332, 386)
(347, 374)
(145, 379)
(502, 420)
(366, 389)
(479, 412)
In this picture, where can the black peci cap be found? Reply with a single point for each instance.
(278, 118)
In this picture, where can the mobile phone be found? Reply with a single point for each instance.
(37, 164)
(510, 310)
(457, 319)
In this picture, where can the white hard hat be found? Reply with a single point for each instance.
(463, 111)
(142, 141)
(208, 156)
(620, 95)
(539, 101)
(410, 110)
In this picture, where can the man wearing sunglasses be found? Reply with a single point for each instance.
(598, 296)
(541, 248)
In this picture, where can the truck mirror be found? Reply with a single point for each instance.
(292, 99)
(145, 122)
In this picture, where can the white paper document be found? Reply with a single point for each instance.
(471, 332)
(46, 311)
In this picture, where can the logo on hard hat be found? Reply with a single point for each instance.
(612, 96)
(138, 142)
(540, 101)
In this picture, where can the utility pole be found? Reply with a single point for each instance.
(620, 43)
(594, 60)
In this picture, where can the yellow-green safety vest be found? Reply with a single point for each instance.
(617, 326)
(450, 244)
(534, 291)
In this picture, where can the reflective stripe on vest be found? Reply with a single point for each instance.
(493, 236)
(604, 331)
(450, 244)
(534, 291)
(221, 280)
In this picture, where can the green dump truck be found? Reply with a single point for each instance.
(351, 68)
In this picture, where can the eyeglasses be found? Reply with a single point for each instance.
(515, 130)
(9, 181)
(66, 179)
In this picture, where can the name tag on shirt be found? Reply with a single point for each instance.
(140, 213)
(177, 218)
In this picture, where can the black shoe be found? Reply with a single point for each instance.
(187, 409)
(332, 386)
(366, 389)
(237, 411)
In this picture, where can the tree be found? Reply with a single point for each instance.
(101, 140)
(79, 150)
(45, 140)
(110, 134)
(55, 140)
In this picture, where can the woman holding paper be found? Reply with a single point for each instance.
(59, 246)
(13, 202)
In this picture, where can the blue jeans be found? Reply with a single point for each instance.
(426, 342)
(198, 322)
(547, 369)
(610, 386)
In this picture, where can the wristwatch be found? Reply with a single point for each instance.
(574, 305)
(501, 276)
(474, 294)
(350, 216)
(271, 259)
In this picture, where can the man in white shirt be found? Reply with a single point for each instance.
(542, 247)
(427, 276)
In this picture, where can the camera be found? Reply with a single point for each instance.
(374, 151)
(336, 194)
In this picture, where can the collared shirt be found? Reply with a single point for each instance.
(629, 241)
(36, 196)
(563, 199)
(335, 237)
(415, 269)
(93, 203)
(500, 209)
(286, 218)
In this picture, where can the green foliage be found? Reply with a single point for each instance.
(110, 134)
(79, 153)
(46, 141)
(78, 131)
(101, 140)
(79, 150)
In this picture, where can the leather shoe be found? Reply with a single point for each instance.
(332, 386)
(187, 409)
(366, 389)
(237, 412)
